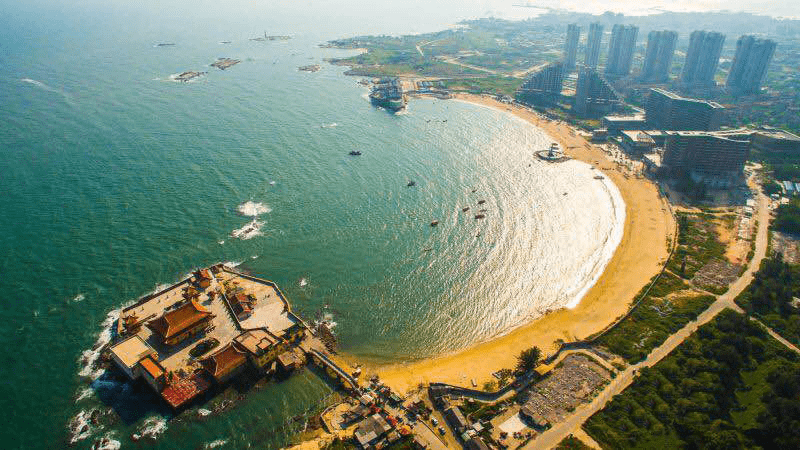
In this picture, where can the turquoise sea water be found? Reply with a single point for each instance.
(114, 179)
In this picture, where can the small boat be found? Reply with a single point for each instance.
(434, 223)
(565, 193)
(411, 183)
(355, 153)
(480, 202)
(474, 190)
(465, 209)
(479, 216)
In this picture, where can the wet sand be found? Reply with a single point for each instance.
(639, 256)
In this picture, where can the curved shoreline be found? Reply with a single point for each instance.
(639, 256)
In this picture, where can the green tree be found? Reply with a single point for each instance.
(528, 359)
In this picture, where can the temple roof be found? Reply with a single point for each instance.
(178, 320)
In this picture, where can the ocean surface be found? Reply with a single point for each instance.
(115, 179)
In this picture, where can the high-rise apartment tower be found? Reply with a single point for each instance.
(593, 40)
(750, 64)
(702, 58)
(658, 58)
(620, 50)
(571, 46)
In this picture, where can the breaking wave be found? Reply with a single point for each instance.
(249, 231)
(90, 358)
(253, 209)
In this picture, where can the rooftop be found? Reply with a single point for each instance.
(224, 360)
(256, 341)
(178, 320)
(152, 367)
(132, 350)
(180, 391)
(675, 96)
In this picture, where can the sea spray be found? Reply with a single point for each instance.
(253, 209)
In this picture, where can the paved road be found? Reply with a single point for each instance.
(777, 336)
(553, 436)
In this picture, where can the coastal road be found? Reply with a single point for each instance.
(553, 436)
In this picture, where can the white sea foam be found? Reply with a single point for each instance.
(253, 209)
(79, 427)
(107, 442)
(232, 264)
(249, 231)
(329, 125)
(221, 242)
(216, 444)
(272, 183)
(153, 427)
(84, 393)
(203, 412)
(79, 298)
(90, 358)
(303, 282)
(254, 257)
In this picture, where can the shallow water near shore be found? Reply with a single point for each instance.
(117, 179)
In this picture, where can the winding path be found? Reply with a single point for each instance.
(553, 436)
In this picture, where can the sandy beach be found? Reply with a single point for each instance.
(639, 256)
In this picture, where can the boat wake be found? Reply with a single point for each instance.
(47, 88)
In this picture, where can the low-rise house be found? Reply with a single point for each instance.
(153, 372)
(371, 430)
(226, 363)
(242, 305)
(181, 323)
(202, 278)
(476, 443)
(262, 347)
(533, 418)
(456, 419)
(127, 354)
(288, 360)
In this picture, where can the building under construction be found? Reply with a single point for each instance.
(544, 86)
(594, 95)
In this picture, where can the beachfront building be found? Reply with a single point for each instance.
(594, 95)
(668, 111)
(128, 353)
(181, 323)
(262, 347)
(636, 142)
(702, 58)
(226, 363)
(544, 86)
(617, 124)
(705, 154)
